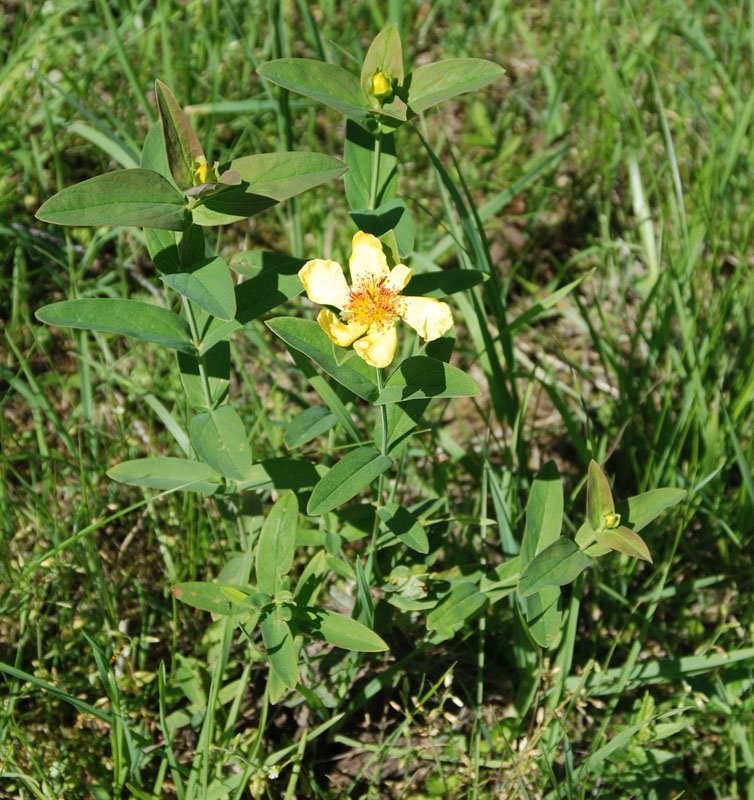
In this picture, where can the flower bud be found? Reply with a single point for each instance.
(612, 520)
(382, 87)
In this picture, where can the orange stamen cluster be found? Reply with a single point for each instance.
(373, 302)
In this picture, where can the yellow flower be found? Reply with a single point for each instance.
(369, 306)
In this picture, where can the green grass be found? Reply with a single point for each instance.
(619, 142)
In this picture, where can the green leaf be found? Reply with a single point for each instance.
(174, 251)
(556, 565)
(229, 205)
(153, 155)
(342, 631)
(124, 197)
(445, 282)
(451, 614)
(281, 650)
(277, 543)
(434, 83)
(637, 512)
(385, 55)
(402, 420)
(544, 512)
(624, 540)
(307, 425)
(181, 143)
(283, 473)
(167, 473)
(284, 175)
(326, 83)
(346, 479)
(209, 286)
(502, 580)
(220, 440)
(275, 281)
(308, 338)
(599, 498)
(359, 156)
(392, 215)
(217, 369)
(405, 526)
(544, 519)
(421, 378)
(205, 596)
(127, 317)
(545, 626)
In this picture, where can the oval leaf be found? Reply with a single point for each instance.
(167, 473)
(624, 540)
(463, 602)
(308, 425)
(230, 205)
(342, 631)
(281, 650)
(326, 83)
(124, 197)
(307, 337)
(220, 440)
(405, 526)
(642, 509)
(181, 143)
(556, 565)
(210, 287)
(277, 543)
(433, 83)
(385, 55)
(283, 473)
(544, 512)
(127, 317)
(393, 215)
(284, 175)
(204, 596)
(599, 498)
(347, 478)
(153, 155)
(422, 377)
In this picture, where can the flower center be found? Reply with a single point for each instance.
(373, 302)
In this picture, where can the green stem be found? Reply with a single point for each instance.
(383, 414)
(203, 377)
(375, 171)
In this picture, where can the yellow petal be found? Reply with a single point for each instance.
(378, 347)
(339, 332)
(324, 282)
(400, 275)
(367, 259)
(430, 318)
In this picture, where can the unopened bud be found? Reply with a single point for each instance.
(612, 520)
(382, 88)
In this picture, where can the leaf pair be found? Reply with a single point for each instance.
(382, 92)
(176, 185)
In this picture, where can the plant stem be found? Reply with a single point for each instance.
(375, 171)
(383, 414)
(199, 359)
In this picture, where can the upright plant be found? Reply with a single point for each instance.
(174, 195)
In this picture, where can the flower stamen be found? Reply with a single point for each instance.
(373, 302)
